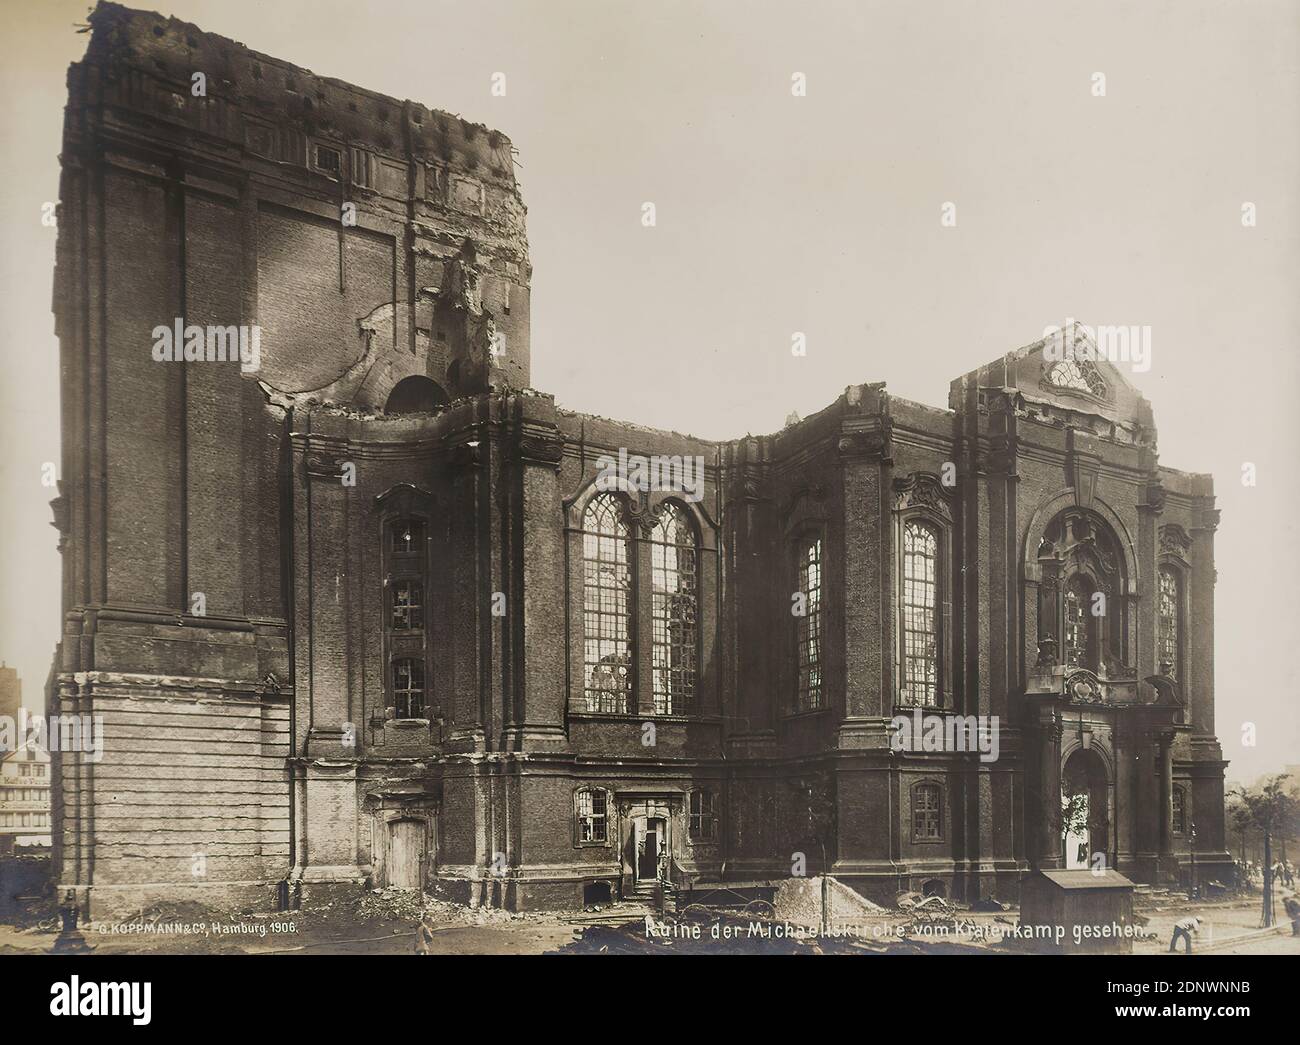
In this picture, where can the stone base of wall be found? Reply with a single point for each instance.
(183, 799)
(124, 903)
(318, 894)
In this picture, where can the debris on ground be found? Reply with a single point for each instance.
(910, 901)
(800, 900)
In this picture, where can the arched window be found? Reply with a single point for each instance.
(1169, 611)
(1082, 609)
(927, 813)
(675, 627)
(608, 647)
(703, 816)
(591, 813)
(1077, 626)
(1179, 801)
(408, 687)
(1078, 375)
(808, 625)
(920, 682)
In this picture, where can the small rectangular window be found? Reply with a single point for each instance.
(408, 688)
(704, 822)
(927, 816)
(291, 146)
(361, 174)
(408, 606)
(328, 160)
(408, 537)
(592, 816)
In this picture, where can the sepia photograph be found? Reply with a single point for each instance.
(602, 479)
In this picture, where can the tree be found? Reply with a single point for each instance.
(1075, 818)
(813, 821)
(1239, 820)
(1274, 812)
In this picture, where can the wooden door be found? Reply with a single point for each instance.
(406, 854)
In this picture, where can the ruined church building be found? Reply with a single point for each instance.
(431, 650)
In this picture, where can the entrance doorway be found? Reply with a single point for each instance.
(406, 854)
(646, 841)
(650, 849)
(1085, 811)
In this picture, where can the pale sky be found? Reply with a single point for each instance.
(818, 214)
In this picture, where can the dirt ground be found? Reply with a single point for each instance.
(386, 923)
(1230, 926)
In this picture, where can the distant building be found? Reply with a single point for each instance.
(24, 798)
(11, 691)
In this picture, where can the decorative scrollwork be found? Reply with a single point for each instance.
(541, 448)
(922, 490)
(1174, 540)
(1083, 687)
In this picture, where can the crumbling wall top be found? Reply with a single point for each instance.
(124, 40)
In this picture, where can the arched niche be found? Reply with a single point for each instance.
(1068, 549)
(415, 394)
(1053, 506)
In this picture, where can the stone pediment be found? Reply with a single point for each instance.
(1080, 370)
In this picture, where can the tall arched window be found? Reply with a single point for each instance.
(1085, 571)
(674, 620)
(1077, 626)
(1169, 611)
(1178, 801)
(920, 683)
(808, 625)
(606, 607)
